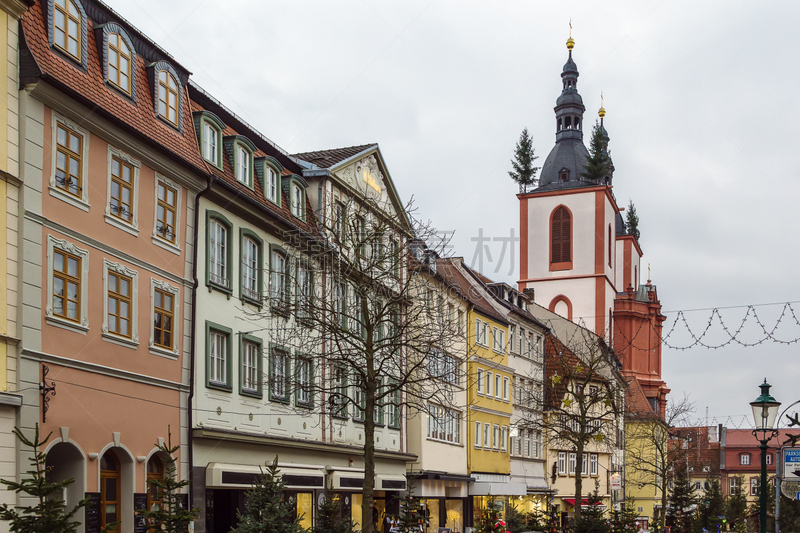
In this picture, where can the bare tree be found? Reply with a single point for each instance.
(356, 304)
(654, 448)
(582, 399)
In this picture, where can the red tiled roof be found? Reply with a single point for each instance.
(334, 156)
(745, 438)
(636, 403)
(467, 289)
(89, 86)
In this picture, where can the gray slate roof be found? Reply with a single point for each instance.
(334, 156)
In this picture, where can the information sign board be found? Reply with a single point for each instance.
(791, 464)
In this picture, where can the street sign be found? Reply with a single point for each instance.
(791, 464)
(790, 489)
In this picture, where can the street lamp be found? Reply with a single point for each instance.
(765, 410)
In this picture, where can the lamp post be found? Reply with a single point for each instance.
(765, 410)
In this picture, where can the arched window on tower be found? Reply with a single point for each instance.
(561, 239)
(568, 123)
(609, 245)
(559, 125)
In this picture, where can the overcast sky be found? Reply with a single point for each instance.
(702, 103)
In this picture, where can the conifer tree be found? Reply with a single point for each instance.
(49, 513)
(516, 521)
(710, 508)
(265, 509)
(624, 520)
(591, 519)
(490, 521)
(736, 508)
(632, 220)
(681, 499)
(412, 517)
(169, 516)
(329, 519)
(524, 172)
(598, 165)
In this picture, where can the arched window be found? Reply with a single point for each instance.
(67, 29)
(609, 245)
(155, 472)
(561, 238)
(168, 97)
(110, 489)
(119, 62)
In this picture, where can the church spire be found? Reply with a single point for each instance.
(569, 106)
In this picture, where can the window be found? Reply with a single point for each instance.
(251, 267)
(219, 356)
(119, 62)
(271, 184)
(305, 382)
(481, 333)
(340, 302)
(119, 304)
(359, 400)
(395, 258)
(495, 437)
(338, 400)
(734, 482)
(360, 236)
(537, 444)
(279, 366)
(498, 338)
(480, 381)
(121, 190)
(163, 318)
(339, 220)
(243, 166)
(69, 161)
(503, 439)
(561, 238)
(67, 27)
(444, 424)
(66, 285)
(498, 386)
(167, 97)
(593, 464)
(487, 435)
(505, 389)
(489, 384)
(562, 463)
(250, 359)
(478, 434)
(166, 212)
(210, 143)
(744, 458)
(304, 291)
(110, 489)
(298, 202)
(572, 461)
(460, 319)
(155, 472)
(277, 278)
(219, 253)
(443, 366)
(393, 407)
(585, 464)
(754, 485)
(768, 457)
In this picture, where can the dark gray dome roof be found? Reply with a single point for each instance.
(569, 96)
(570, 66)
(567, 153)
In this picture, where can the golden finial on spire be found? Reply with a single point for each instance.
(570, 41)
(602, 111)
(648, 272)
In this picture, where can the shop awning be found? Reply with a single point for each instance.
(347, 480)
(497, 489)
(389, 482)
(584, 503)
(231, 476)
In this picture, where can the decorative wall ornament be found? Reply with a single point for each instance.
(47, 391)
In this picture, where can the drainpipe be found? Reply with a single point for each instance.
(192, 345)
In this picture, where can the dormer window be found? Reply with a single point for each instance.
(210, 143)
(209, 130)
(243, 170)
(298, 201)
(119, 62)
(67, 31)
(563, 175)
(271, 184)
(168, 97)
(294, 188)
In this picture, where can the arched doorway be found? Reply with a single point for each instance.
(155, 472)
(110, 489)
(65, 461)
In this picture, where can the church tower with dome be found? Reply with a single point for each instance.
(576, 256)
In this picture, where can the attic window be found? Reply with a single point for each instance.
(67, 27)
(168, 97)
(271, 184)
(563, 175)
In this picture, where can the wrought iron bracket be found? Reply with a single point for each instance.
(47, 391)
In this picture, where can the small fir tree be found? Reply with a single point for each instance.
(516, 521)
(680, 503)
(49, 513)
(591, 519)
(598, 165)
(632, 220)
(490, 520)
(265, 509)
(711, 508)
(524, 172)
(756, 507)
(169, 515)
(736, 507)
(624, 520)
(412, 517)
(329, 519)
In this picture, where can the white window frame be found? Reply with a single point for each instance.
(489, 384)
(498, 340)
(478, 443)
(297, 202)
(487, 436)
(562, 463)
(585, 464)
(176, 338)
(82, 325)
(480, 378)
(133, 226)
(133, 341)
(495, 437)
(271, 185)
(504, 439)
(572, 461)
(214, 159)
(237, 167)
(158, 241)
(81, 202)
(754, 486)
(498, 386)
(226, 380)
(769, 462)
(247, 274)
(248, 367)
(278, 293)
(744, 458)
(222, 280)
(506, 387)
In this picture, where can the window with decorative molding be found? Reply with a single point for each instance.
(164, 316)
(67, 285)
(68, 27)
(121, 317)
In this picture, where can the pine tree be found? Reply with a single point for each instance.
(265, 509)
(412, 517)
(329, 519)
(49, 513)
(679, 507)
(524, 172)
(516, 522)
(490, 521)
(170, 516)
(598, 165)
(632, 220)
(736, 508)
(624, 520)
(591, 519)
(711, 507)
